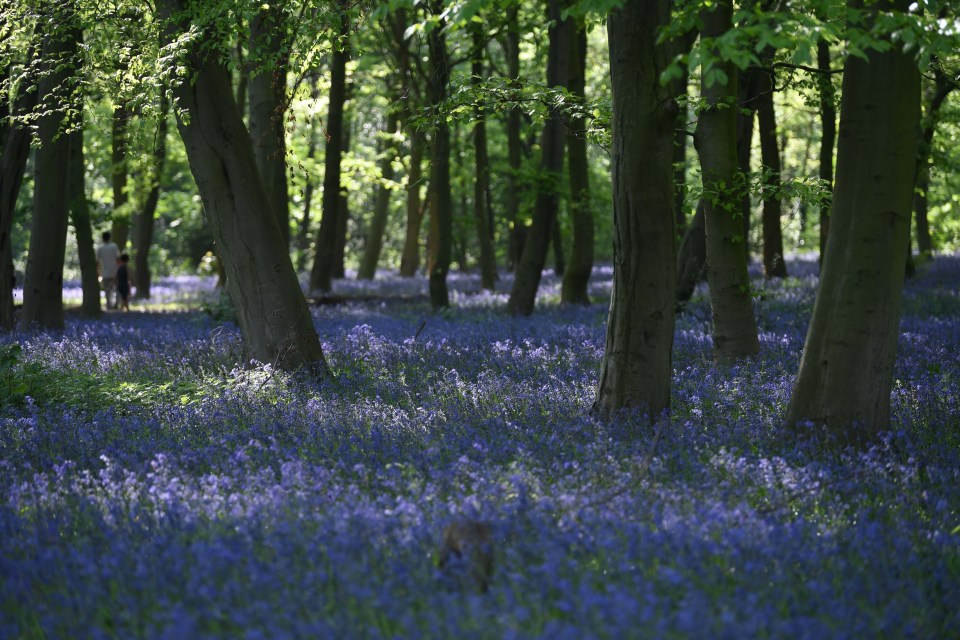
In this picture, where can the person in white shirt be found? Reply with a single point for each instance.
(107, 255)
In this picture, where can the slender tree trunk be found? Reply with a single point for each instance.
(410, 258)
(846, 371)
(273, 316)
(481, 184)
(343, 205)
(321, 275)
(381, 208)
(691, 257)
(734, 326)
(441, 203)
(530, 269)
(268, 98)
(828, 138)
(13, 163)
(148, 214)
(637, 367)
(80, 215)
(556, 241)
(43, 280)
(303, 236)
(773, 262)
(120, 228)
(928, 124)
(748, 97)
(514, 149)
(678, 88)
(577, 274)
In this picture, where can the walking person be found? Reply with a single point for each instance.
(108, 256)
(123, 282)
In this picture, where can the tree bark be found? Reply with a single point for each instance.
(846, 371)
(691, 257)
(148, 214)
(43, 280)
(481, 183)
(13, 163)
(577, 275)
(514, 149)
(381, 208)
(734, 326)
(267, 90)
(637, 367)
(936, 96)
(773, 261)
(272, 312)
(529, 271)
(80, 215)
(828, 138)
(120, 228)
(441, 202)
(321, 275)
(410, 258)
(343, 203)
(678, 88)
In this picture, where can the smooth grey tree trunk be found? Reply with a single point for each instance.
(637, 367)
(13, 163)
(267, 89)
(936, 96)
(774, 265)
(530, 270)
(734, 325)
(410, 258)
(80, 216)
(481, 183)
(145, 220)
(321, 275)
(828, 137)
(846, 371)
(343, 202)
(381, 208)
(577, 274)
(120, 229)
(43, 280)
(441, 200)
(274, 319)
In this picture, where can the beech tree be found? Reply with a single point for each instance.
(637, 365)
(273, 316)
(846, 371)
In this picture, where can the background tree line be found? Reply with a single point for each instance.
(317, 136)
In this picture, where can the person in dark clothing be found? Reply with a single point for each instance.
(124, 281)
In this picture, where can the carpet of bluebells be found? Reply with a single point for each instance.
(155, 485)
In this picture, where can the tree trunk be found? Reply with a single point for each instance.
(734, 326)
(441, 202)
(303, 237)
(268, 97)
(321, 275)
(748, 97)
(691, 257)
(678, 88)
(481, 184)
(13, 163)
(43, 280)
(530, 269)
(637, 366)
(514, 149)
(577, 275)
(828, 138)
(343, 206)
(773, 262)
(410, 258)
(272, 312)
(381, 208)
(148, 214)
(928, 124)
(846, 371)
(80, 215)
(120, 228)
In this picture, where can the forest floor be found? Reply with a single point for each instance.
(155, 485)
